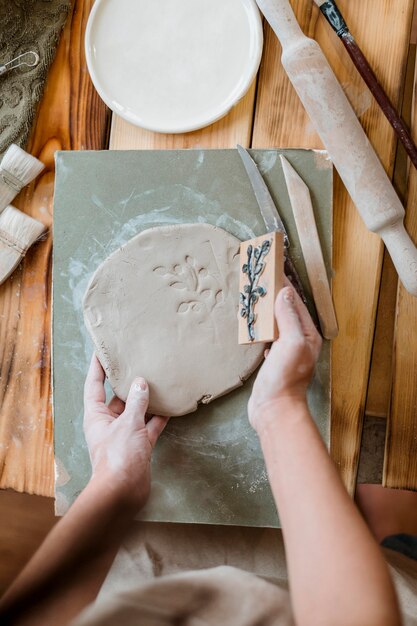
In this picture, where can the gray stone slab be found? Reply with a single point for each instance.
(208, 466)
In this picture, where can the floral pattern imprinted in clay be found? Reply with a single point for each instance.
(202, 292)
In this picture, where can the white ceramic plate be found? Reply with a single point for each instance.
(173, 66)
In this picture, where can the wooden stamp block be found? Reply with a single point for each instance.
(261, 278)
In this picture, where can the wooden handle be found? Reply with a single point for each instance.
(338, 127)
(403, 254)
(310, 245)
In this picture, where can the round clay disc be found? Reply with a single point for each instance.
(165, 307)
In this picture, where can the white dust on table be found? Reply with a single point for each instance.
(258, 482)
(267, 160)
(200, 159)
(322, 160)
(235, 227)
(62, 477)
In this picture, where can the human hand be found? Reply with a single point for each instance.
(120, 439)
(290, 363)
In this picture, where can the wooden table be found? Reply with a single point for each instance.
(71, 116)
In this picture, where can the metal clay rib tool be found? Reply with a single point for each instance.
(336, 20)
(344, 138)
(271, 217)
(302, 207)
(29, 59)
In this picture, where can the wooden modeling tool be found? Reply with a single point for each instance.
(344, 138)
(271, 217)
(18, 232)
(333, 15)
(261, 278)
(17, 169)
(310, 244)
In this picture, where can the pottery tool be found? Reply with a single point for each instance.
(270, 215)
(17, 169)
(18, 232)
(344, 138)
(28, 59)
(261, 278)
(333, 15)
(302, 207)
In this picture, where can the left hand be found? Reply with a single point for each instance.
(119, 438)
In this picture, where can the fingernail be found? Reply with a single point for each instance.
(289, 295)
(141, 384)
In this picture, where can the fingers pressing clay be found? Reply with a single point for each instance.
(137, 401)
(286, 313)
(155, 426)
(116, 406)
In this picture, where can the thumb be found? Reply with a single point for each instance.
(286, 314)
(137, 401)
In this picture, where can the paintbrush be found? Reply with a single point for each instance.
(18, 232)
(344, 138)
(333, 15)
(17, 169)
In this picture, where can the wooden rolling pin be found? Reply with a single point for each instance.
(344, 138)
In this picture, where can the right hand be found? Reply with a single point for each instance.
(290, 363)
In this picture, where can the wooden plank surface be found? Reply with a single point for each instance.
(379, 389)
(71, 116)
(281, 121)
(32, 518)
(234, 128)
(400, 467)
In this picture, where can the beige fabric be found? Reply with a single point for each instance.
(404, 574)
(153, 550)
(223, 595)
(153, 559)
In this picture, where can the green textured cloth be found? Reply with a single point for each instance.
(26, 25)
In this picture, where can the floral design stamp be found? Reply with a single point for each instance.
(254, 267)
